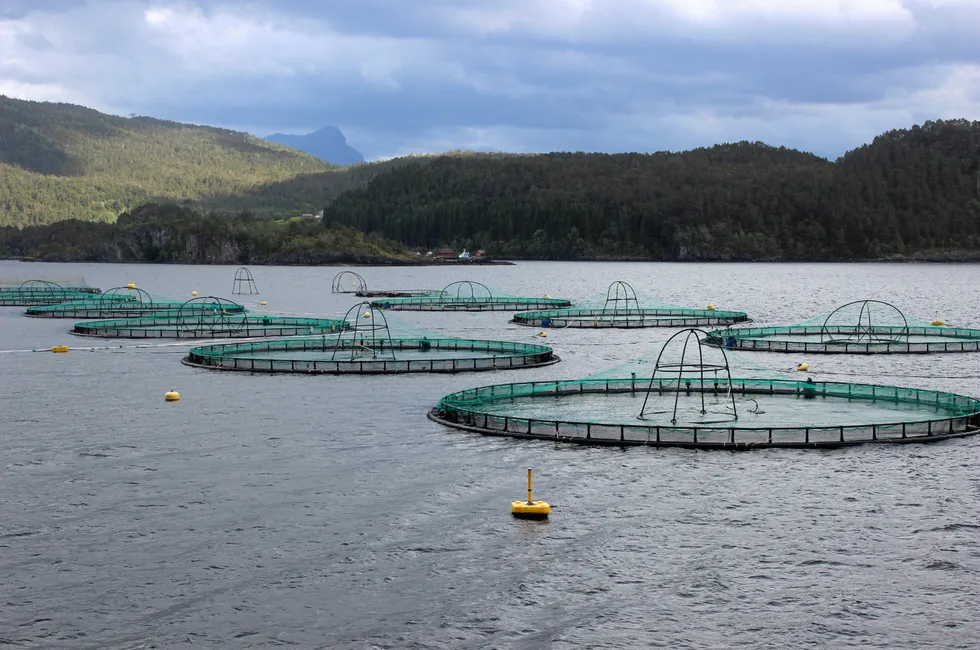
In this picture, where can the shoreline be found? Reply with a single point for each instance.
(254, 263)
(934, 259)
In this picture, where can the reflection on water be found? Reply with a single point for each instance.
(328, 511)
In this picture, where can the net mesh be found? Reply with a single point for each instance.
(359, 354)
(16, 292)
(467, 295)
(622, 307)
(133, 302)
(371, 343)
(860, 327)
(202, 324)
(76, 282)
(350, 282)
(690, 395)
(498, 410)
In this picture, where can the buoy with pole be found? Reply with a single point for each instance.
(530, 509)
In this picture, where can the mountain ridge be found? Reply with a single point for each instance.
(62, 161)
(327, 143)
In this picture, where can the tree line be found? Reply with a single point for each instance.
(166, 233)
(913, 192)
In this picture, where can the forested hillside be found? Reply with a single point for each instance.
(174, 234)
(59, 161)
(909, 192)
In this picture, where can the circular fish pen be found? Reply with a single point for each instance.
(622, 309)
(128, 301)
(692, 401)
(367, 347)
(215, 318)
(350, 282)
(859, 327)
(467, 295)
(31, 293)
(244, 283)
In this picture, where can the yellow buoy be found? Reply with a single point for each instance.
(193, 293)
(366, 314)
(262, 303)
(171, 396)
(711, 306)
(547, 297)
(530, 509)
(60, 348)
(937, 321)
(130, 286)
(542, 334)
(803, 367)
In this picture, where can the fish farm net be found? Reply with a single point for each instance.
(621, 308)
(124, 302)
(691, 400)
(860, 327)
(367, 346)
(350, 282)
(209, 317)
(28, 293)
(469, 296)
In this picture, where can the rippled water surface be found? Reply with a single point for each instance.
(323, 511)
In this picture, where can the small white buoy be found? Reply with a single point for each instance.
(171, 396)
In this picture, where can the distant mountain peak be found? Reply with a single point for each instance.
(327, 143)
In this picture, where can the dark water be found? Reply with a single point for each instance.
(323, 511)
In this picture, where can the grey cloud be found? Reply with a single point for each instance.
(409, 75)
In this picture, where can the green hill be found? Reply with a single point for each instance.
(60, 161)
(176, 234)
(909, 193)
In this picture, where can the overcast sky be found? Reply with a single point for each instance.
(410, 76)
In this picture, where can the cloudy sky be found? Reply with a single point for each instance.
(409, 76)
